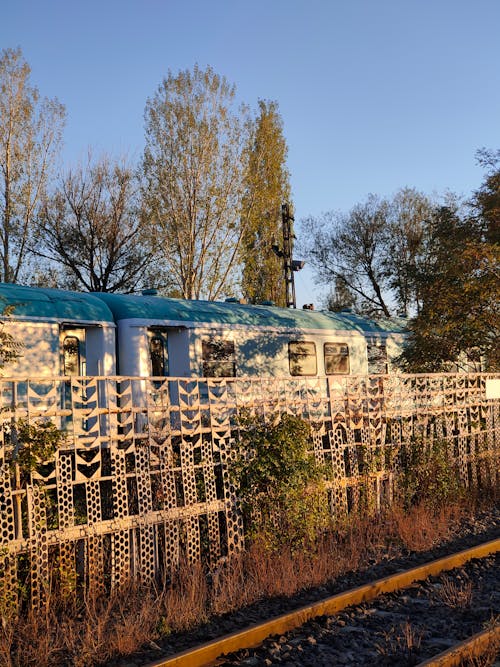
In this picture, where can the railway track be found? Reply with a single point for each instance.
(328, 632)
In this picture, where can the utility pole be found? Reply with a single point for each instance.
(290, 265)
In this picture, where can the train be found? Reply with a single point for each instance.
(65, 333)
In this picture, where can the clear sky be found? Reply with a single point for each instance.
(374, 94)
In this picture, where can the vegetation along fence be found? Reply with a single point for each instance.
(141, 474)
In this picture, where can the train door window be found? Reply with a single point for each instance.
(71, 356)
(219, 359)
(302, 358)
(377, 358)
(336, 359)
(158, 353)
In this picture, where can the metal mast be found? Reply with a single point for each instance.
(290, 265)
(287, 219)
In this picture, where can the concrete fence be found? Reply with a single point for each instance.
(141, 475)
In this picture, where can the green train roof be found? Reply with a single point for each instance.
(386, 324)
(61, 305)
(53, 304)
(214, 312)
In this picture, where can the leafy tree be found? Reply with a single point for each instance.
(266, 188)
(408, 224)
(486, 200)
(460, 292)
(30, 133)
(194, 162)
(91, 228)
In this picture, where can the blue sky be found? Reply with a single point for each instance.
(374, 94)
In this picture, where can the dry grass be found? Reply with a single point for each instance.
(403, 641)
(101, 628)
(490, 652)
(455, 595)
(428, 526)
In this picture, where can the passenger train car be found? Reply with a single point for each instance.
(68, 333)
(60, 333)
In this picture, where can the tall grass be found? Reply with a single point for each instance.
(97, 629)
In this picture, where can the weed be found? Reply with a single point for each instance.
(455, 595)
(421, 526)
(403, 641)
(32, 444)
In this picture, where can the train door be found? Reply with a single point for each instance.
(159, 391)
(158, 352)
(84, 352)
(73, 352)
(73, 364)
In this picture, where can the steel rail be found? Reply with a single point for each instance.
(473, 647)
(207, 654)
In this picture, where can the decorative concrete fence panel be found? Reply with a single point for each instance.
(141, 476)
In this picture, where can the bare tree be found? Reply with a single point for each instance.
(91, 228)
(341, 297)
(351, 247)
(372, 253)
(194, 162)
(30, 133)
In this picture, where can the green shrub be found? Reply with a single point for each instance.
(33, 444)
(428, 474)
(278, 482)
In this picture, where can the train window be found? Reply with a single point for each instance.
(71, 355)
(302, 358)
(157, 355)
(336, 359)
(377, 359)
(218, 358)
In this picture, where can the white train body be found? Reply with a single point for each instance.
(178, 338)
(67, 333)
